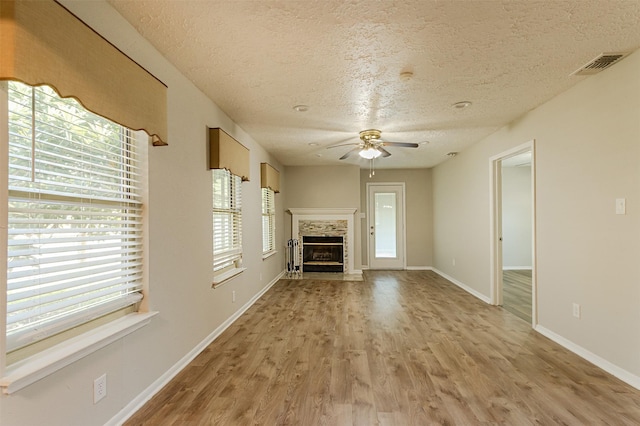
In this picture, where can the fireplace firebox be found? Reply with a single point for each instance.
(322, 253)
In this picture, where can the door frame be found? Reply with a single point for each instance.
(495, 225)
(403, 217)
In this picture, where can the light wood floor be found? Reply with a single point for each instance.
(400, 348)
(516, 293)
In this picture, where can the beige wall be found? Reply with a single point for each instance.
(588, 154)
(418, 202)
(324, 187)
(180, 258)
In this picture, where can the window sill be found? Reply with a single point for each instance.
(218, 280)
(268, 254)
(36, 367)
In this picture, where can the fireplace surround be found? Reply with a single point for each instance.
(320, 222)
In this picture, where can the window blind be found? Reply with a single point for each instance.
(227, 220)
(74, 216)
(268, 220)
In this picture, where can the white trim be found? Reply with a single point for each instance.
(142, 398)
(419, 268)
(319, 211)
(596, 360)
(404, 219)
(517, 268)
(220, 279)
(357, 272)
(268, 254)
(328, 215)
(463, 286)
(495, 249)
(36, 367)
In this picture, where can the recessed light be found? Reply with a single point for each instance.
(301, 108)
(451, 154)
(313, 144)
(318, 155)
(424, 142)
(461, 105)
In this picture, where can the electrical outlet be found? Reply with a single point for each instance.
(233, 296)
(576, 310)
(99, 388)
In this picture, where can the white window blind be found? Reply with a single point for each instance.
(227, 220)
(74, 216)
(268, 220)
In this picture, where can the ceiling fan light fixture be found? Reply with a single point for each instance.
(370, 153)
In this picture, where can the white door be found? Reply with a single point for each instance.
(386, 225)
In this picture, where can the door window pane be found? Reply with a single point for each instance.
(385, 228)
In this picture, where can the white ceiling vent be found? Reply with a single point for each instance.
(599, 63)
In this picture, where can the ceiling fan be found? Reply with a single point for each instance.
(372, 146)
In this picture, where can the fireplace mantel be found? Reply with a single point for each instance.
(318, 211)
(327, 214)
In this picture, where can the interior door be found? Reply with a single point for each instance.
(386, 226)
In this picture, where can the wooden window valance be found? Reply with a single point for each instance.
(227, 153)
(269, 177)
(43, 43)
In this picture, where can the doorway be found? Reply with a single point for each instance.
(385, 227)
(513, 232)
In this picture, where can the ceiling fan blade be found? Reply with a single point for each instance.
(403, 144)
(384, 152)
(344, 144)
(356, 149)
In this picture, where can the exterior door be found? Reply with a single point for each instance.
(386, 225)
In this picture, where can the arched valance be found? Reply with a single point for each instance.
(41, 42)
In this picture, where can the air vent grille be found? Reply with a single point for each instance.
(601, 62)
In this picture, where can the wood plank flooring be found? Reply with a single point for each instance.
(516, 293)
(399, 348)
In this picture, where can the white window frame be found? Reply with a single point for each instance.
(42, 362)
(227, 225)
(268, 222)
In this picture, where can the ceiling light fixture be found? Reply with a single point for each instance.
(461, 104)
(301, 108)
(406, 75)
(313, 144)
(452, 154)
(370, 153)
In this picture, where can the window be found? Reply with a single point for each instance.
(75, 243)
(227, 225)
(268, 221)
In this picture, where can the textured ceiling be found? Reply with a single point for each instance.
(257, 59)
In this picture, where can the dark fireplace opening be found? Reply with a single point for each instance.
(323, 254)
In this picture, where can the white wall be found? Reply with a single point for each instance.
(180, 259)
(516, 217)
(588, 154)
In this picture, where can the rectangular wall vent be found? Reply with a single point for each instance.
(601, 62)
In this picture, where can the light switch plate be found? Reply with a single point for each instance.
(621, 205)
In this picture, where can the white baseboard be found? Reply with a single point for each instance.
(517, 268)
(157, 385)
(419, 268)
(607, 366)
(463, 286)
